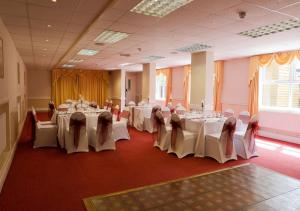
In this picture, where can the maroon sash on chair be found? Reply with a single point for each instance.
(229, 128)
(93, 105)
(77, 121)
(117, 113)
(51, 108)
(176, 124)
(153, 115)
(104, 121)
(250, 134)
(160, 122)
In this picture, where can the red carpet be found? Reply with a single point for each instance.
(49, 179)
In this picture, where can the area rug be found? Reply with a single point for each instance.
(245, 187)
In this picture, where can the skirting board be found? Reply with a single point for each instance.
(7, 162)
(273, 135)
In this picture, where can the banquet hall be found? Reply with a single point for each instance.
(149, 105)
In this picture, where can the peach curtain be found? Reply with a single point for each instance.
(186, 85)
(219, 73)
(168, 73)
(69, 84)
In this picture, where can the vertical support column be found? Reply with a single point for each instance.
(123, 88)
(202, 73)
(148, 82)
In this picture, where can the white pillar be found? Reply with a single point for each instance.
(148, 82)
(202, 73)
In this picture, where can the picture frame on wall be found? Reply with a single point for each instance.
(1, 59)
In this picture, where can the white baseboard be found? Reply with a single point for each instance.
(278, 136)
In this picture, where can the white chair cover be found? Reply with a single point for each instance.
(142, 103)
(131, 103)
(119, 128)
(76, 139)
(245, 141)
(220, 146)
(101, 138)
(228, 113)
(149, 120)
(180, 110)
(163, 136)
(182, 141)
(244, 116)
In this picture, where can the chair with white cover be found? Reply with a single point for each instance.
(45, 134)
(119, 127)
(101, 136)
(131, 103)
(142, 103)
(149, 120)
(228, 113)
(180, 110)
(116, 113)
(182, 141)
(244, 116)
(51, 122)
(244, 142)
(163, 137)
(166, 112)
(220, 145)
(76, 139)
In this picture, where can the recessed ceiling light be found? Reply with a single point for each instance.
(44, 49)
(110, 37)
(154, 57)
(68, 65)
(194, 48)
(87, 52)
(272, 29)
(159, 8)
(53, 0)
(47, 40)
(76, 60)
(49, 25)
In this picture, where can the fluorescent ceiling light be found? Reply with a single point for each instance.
(154, 57)
(272, 29)
(194, 48)
(158, 8)
(68, 65)
(87, 52)
(110, 37)
(76, 60)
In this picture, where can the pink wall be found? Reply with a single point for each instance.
(235, 85)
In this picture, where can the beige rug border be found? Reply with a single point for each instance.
(90, 207)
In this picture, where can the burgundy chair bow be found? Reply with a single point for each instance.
(153, 115)
(51, 108)
(172, 110)
(104, 121)
(176, 124)
(160, 122)
(76, 124)
(93, 105)
(250, 135)
(117, 112)
(229, 128)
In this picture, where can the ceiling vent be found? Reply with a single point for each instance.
(272, 29)
(152, 58)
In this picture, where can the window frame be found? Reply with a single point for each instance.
(158, 87)
(291, 81)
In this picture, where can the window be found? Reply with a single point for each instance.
(161, 87)
(280, 86)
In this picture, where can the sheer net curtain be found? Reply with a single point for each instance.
(218, 85)
(256, 62)
(93, 85)
(168, 73)
(187, 85)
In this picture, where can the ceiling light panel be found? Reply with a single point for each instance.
(68, 65)
(76, 60)
(87, 52)
(158, 8)
(272, 29)
(194, 48)
(110, 37)
(154, 57)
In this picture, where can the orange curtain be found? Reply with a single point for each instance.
(93, 85)
(186, 85)
(168, 73)
(279, 57)
(253, 85)
(219, 73)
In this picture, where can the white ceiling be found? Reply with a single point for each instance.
(76, 23)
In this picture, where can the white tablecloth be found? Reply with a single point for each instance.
(140, 112)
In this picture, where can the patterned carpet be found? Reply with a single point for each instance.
(245, 187)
